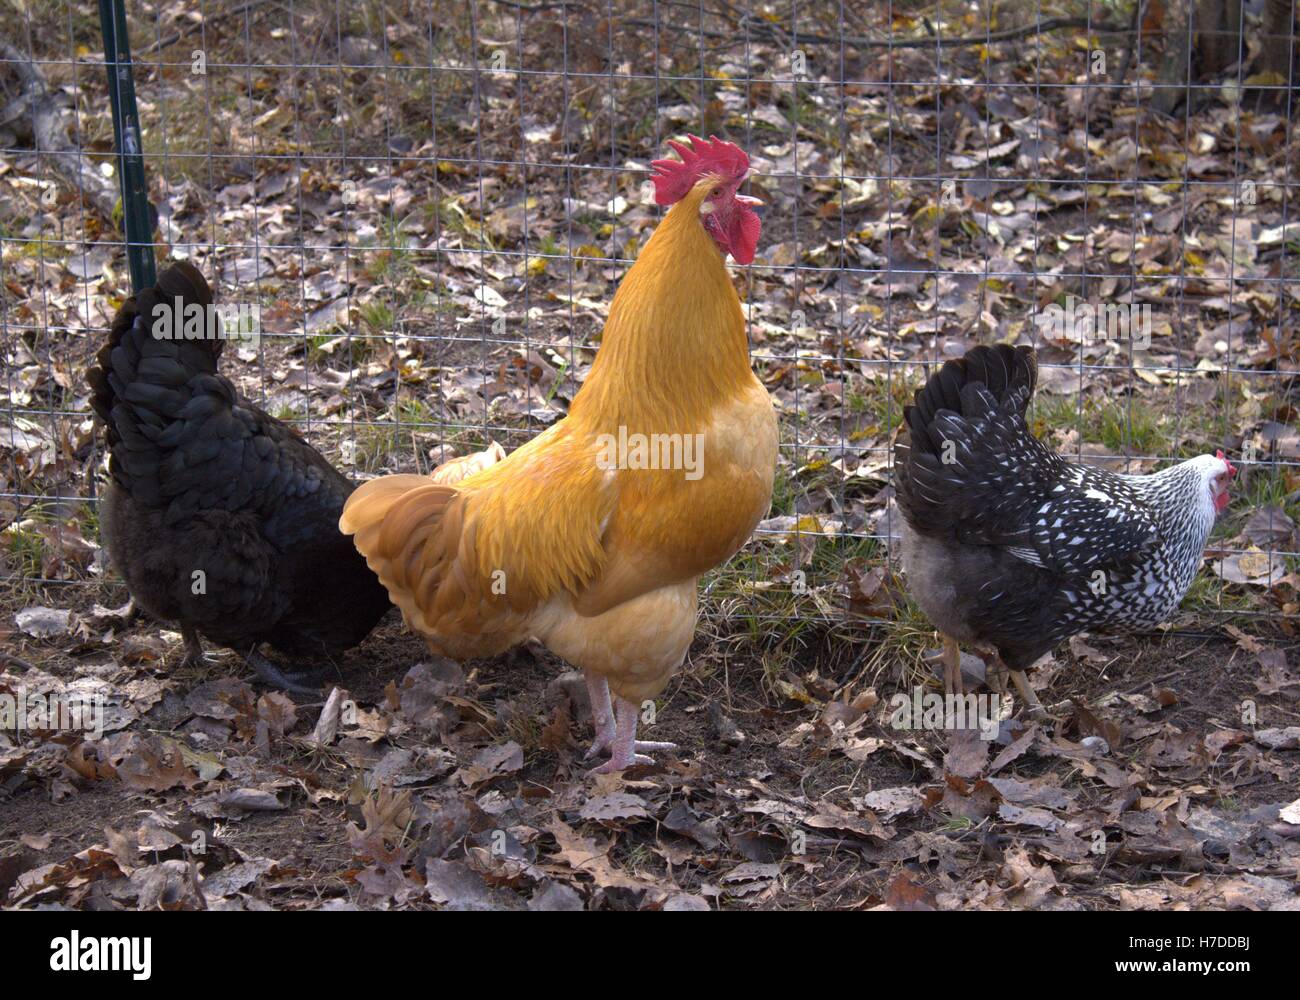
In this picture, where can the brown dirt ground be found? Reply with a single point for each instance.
(1210, 676)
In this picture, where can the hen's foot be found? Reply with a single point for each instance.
(952, 682)
(122, 616)
(625, 749)
(299, 682)
(1033, 707)
(194, 654)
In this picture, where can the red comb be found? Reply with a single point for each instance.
(673, 179)
(1232, 469)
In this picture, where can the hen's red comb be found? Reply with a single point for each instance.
(1232, 469)
(673, 178)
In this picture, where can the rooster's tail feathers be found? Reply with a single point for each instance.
(453, 471)
(368, 506)
(408, 528)
(422, 539)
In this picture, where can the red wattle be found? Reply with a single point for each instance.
(743, 233)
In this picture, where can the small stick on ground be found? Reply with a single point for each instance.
(50, 139)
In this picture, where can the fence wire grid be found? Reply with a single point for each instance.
(431, 205)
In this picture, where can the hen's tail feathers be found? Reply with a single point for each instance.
(968, 446)
(1007, 373)
(142, 383)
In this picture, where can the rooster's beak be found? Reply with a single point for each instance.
(745, 199)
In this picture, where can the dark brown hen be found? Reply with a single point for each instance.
(218, 516)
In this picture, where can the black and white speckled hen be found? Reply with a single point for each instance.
(218, 516)
(1010, 548)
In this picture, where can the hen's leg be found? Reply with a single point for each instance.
(625, 746)
(194, 655)
(128, 612)
(306, 682)
(995, 673)
(1033, 707)
(952, 683)
(602, 713)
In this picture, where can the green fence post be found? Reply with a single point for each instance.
(137, 217)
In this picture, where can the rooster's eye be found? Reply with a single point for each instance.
(717, 193)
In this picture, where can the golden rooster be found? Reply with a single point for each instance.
(591, 538)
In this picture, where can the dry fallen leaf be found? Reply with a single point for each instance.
(44, 623)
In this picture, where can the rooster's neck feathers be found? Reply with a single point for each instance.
(674, 345)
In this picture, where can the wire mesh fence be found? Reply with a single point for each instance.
(429, 206)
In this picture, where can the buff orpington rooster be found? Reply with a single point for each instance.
(591, 538)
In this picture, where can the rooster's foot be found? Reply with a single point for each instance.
(621, 762)
(602, 714)
(639, 750)
(305, 682)
(625, 749)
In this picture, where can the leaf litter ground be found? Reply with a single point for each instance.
(418, 305)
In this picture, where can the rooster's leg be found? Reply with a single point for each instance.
(624, 751)
(298, 683)
(1033, 707)
(602, 713)
(952, 683)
